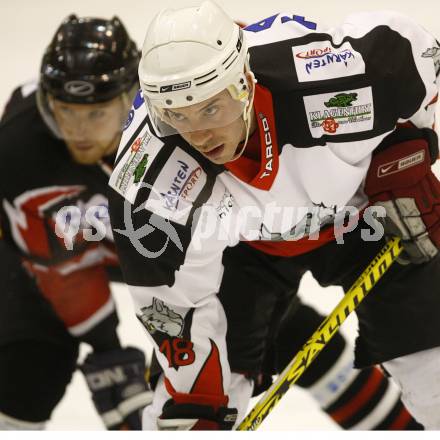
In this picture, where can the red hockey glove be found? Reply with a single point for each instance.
(400, 179)
(195, 417)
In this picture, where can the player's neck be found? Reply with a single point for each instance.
(253, 150)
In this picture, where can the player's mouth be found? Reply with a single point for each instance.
(215, 153)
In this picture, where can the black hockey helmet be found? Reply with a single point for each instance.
(89, 60)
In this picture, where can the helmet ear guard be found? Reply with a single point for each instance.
(45, 108)
(247, 115)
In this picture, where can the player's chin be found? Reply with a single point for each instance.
(219, 161)
(88, 157)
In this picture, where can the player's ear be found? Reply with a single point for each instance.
(50, 102)
(251, 82)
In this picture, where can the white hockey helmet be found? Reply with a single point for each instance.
(190, 55)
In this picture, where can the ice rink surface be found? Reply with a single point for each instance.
(26, 27)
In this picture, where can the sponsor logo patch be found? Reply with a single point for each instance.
(139, 171)
(340, 113)
(401, 164)
(268, 147)
(177, 187)
(131, 169)
(341, 100)
(319, 61)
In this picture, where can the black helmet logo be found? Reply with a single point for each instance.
(79, 88)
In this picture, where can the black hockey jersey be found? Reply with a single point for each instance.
(49, 209)
(325, 100)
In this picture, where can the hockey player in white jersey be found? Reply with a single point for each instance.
(258, 141)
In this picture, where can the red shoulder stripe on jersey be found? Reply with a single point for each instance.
(26, 215)
(75, 296)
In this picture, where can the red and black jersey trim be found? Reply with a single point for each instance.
(260, 175)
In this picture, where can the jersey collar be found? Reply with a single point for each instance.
(260, 175)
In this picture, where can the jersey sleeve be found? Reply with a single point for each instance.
(412, 61)
(346, 84)
(398, 62)
(165, 224)
(73, 281)
(402, 66)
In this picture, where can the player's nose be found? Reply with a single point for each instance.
(201, 139)
(80, 130)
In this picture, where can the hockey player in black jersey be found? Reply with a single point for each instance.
(58, 140)
(263, 139)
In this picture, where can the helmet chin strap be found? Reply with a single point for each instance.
(247, 117)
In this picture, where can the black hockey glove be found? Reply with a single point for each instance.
(195, 417)
(119, 390)
(400, 179)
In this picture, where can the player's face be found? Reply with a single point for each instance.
(91, 131)
(214, 127)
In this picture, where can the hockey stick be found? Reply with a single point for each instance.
(358, 291)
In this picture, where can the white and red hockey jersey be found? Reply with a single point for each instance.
(325, 99)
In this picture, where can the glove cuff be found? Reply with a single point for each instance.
(400, 166)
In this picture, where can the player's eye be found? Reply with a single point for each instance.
(65, 110)
(177, 117)
(96, 114)
(212, 110)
